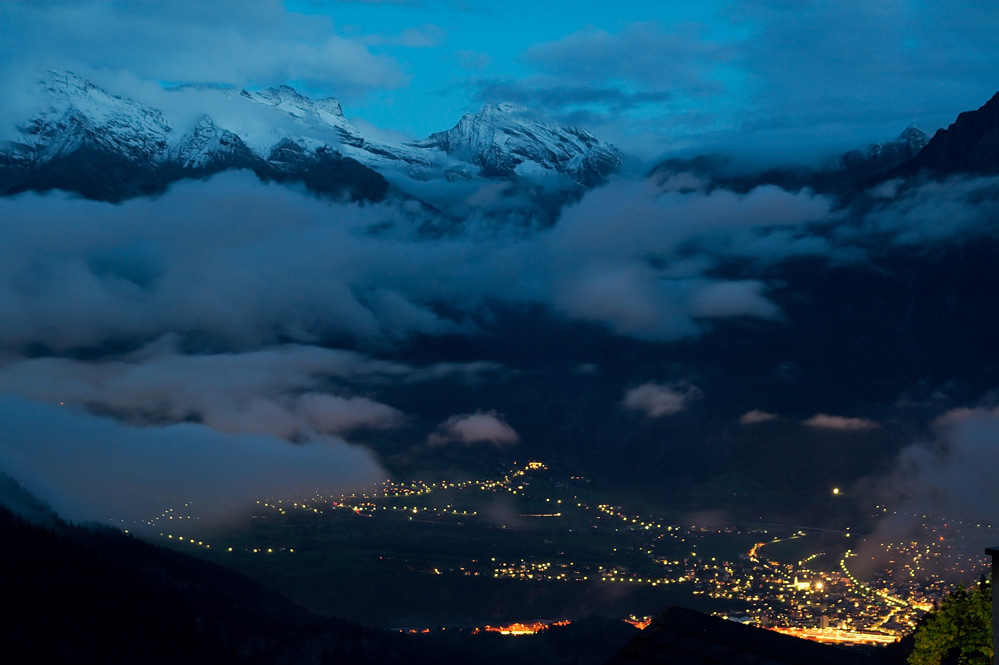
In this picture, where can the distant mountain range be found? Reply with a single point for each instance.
(968, 146)
(107, 147)
(852, 170)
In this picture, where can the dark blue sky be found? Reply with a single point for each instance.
(653, 77)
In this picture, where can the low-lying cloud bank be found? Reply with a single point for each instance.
(119, 439)
(236, 293)
(91, 468)
(241, 264)
(244, 264)
(948, 481)
(953, 476)
(289, 391)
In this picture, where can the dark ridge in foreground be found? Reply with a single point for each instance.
(98, 595)
(82, 595)
(684, 636)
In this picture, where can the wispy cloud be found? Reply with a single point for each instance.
(825, 421)
(471, 428)
(656, 400)
(291, 391)
(756, 416)
(261, 44)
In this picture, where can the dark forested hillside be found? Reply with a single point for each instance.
(97, 595)
(86, 595)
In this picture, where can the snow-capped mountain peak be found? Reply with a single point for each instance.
(503, 139)
(79, 111)
(503, 108)
(64, 82)
(325, 124)
(325, 113)
(880, 157)
(108, 146)
(209, 144)
(914, 137)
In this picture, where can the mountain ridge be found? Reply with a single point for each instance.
(502, 140)
(110, 147)
(846, 173)
(968, 145)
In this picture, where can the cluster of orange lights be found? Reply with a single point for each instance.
(531, 627)
(518, 628)
(640, 624)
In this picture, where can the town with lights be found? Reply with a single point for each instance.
(527, 533)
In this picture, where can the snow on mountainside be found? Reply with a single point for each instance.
(111, 148)
(503, 140)
(498, 140)
(81, 112)
(207, 144)
(879, 157)
(106, 146)
(325, 121)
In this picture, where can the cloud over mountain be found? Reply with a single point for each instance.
(261, 42)
(271, 263)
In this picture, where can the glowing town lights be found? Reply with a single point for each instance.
(791, 593)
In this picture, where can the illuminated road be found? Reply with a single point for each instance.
(837, 636)
(754, 551)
